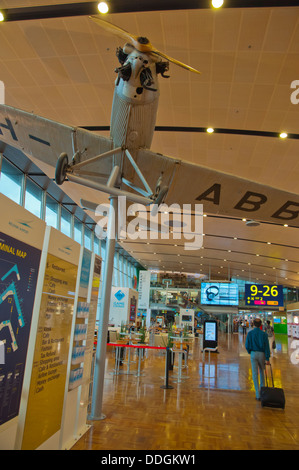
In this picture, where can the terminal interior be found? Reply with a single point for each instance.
(146, 368)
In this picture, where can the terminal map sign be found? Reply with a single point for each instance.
(19, 265)
(264, 295)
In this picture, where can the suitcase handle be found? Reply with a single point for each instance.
(271, 374)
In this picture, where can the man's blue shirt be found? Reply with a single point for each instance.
(257, 340)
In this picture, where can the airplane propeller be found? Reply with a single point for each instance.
(142, 44)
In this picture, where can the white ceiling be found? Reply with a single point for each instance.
(63, 69)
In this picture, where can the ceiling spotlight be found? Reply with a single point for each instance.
(1, 16)
(217, 3)
(283, 135)
(103, 7)
(210, 130)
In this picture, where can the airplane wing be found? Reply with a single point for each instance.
(43, 140)
(221, 193)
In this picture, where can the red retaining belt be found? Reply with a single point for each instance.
(135, 346)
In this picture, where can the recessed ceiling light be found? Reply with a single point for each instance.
(210, 130)
(103, 7)
(1, 16)
(285, 225)
(217, 3)
(283, 135)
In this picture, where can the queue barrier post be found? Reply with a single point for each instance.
(167, 363)
(167, 359)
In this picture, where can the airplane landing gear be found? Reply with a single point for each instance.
(61, 167)
(162, 193)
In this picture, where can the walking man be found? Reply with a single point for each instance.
(257, 345)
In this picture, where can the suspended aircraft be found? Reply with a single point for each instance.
(124, 165)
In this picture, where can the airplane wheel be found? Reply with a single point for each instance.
(61, 166)
(162, 193)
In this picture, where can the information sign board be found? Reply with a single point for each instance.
(264, 295)
(19, 264)
(47, 387)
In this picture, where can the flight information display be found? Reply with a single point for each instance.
(219, 293)
(264, 295)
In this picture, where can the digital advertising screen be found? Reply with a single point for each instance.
(264, 295)
(210, 334)
(219, 293)
(210, 331)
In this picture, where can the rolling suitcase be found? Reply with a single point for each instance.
(271, 396)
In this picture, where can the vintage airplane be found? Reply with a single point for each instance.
(123, 165)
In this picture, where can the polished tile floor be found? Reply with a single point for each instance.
(211, 409)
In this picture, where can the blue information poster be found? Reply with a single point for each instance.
(19, 265)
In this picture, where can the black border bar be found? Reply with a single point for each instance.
(128, 6)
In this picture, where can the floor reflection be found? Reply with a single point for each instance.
(211, 408)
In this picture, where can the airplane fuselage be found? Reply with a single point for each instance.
(135, 102)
